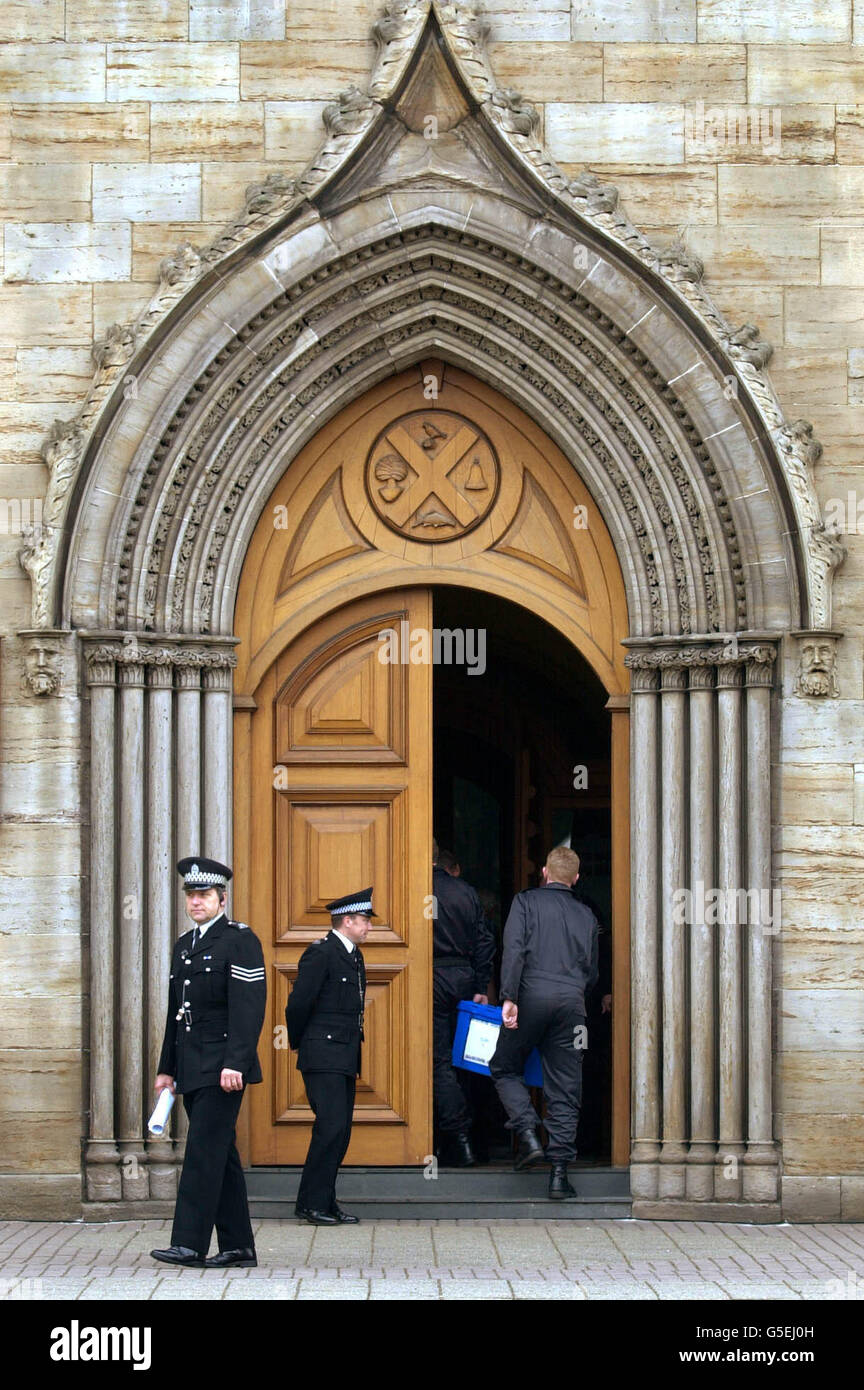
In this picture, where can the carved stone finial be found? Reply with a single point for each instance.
(395, 33)
(679, 264)
(797, 437)
(65, 439)
(398, 22)
(744, 345)
(36, 558)
(817, 669)
(599, 196)
(42, 666)
(277, 188)
(348, 115)
(518, 116)
(466, 31)
(183, 262)
(61, 450)
(115, 348)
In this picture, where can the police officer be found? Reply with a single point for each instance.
(216, 1000)
(324, 1015)
(550, 962)
(463, 949)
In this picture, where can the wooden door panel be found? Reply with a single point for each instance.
(332, 843)
(349, 804)
(382, 1089)
(349, 707)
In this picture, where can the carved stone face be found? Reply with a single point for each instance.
(42, 664)
(817, 676)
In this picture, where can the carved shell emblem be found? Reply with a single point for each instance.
(432, 475)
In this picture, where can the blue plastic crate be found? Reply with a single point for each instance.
(491, 1014)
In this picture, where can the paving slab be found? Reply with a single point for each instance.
(444, 1261)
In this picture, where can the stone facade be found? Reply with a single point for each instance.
(126, 129)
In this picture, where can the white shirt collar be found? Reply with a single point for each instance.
(349, 945)
(203, 926)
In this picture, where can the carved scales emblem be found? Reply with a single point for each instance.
(432, 475)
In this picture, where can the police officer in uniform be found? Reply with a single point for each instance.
(550, 963)
(463, 949)
(216, 1002)
(324, 1015)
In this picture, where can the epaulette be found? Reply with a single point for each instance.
(241, 926)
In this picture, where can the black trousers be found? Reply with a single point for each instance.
(553, 1022)
(212, 1188)
(331, 1096)
(451, 982)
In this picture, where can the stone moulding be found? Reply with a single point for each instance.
(488, 301)
(583, 201)
(729, 654)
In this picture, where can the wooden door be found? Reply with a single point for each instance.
(342, 749)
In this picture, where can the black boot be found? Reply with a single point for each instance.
(560, 1189)
(463, 1154)
(530, 1149)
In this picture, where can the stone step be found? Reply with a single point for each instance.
(506, 1209)
(485, 1192)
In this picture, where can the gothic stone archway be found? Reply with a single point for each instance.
(472, 248)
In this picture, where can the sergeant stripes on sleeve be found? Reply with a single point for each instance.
(239, 972)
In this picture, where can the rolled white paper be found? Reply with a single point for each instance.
(162, 1109)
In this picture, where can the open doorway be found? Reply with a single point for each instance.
(522, 762)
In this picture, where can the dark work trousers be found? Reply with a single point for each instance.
(547, 1020)
(452, 981)
(212, 1187)
(331, 1096)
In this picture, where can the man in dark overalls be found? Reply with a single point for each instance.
(463, 949)
(550, 962)
(324, 1015)
(216, 999)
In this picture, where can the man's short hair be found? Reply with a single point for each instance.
(562, 864)
(447, 861)
(434, 851)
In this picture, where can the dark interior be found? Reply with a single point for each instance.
(508, 746)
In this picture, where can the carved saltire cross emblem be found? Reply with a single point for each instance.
(432, 475)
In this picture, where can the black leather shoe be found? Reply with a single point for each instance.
(463, 1154)
(237, 1259)
(320, 1218)
(345, 1218)
(530, 1149)
(179, 1255)
(560, 1189)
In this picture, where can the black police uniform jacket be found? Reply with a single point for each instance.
(219, 990)
(324, 1013)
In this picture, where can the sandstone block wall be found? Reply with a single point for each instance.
(127, 126)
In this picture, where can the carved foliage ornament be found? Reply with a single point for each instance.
(397, 34)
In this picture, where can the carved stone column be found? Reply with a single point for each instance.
(130, 901)
(161, 876)
(730, 1033)
(714, 850)
(700, 1157)
(188, 763)
(146, 755)
(644, 983)
(218, 717)
(759, 1170)
(673, 1153)
(102, 1157)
